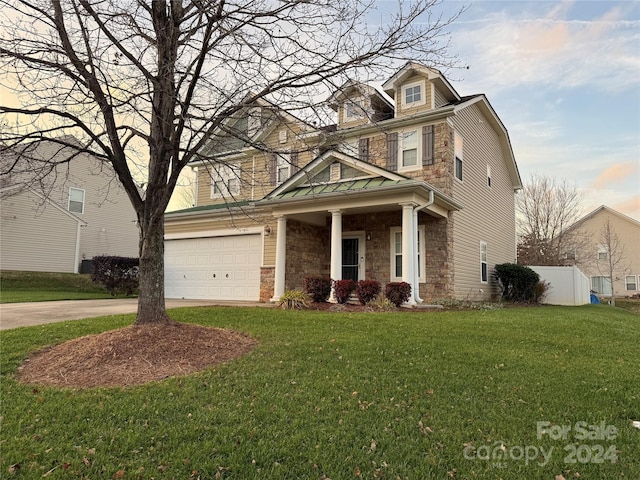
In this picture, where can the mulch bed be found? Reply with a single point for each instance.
(134, 355)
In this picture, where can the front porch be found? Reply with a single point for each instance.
(364, 246)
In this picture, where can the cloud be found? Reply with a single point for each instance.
(630, 207)
(616, 173)
(509, 51)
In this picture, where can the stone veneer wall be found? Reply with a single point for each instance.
(308, 252)
(438, 249)
(267, 281)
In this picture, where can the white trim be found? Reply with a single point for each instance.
(484, 261)
(84, 199)
(423, 94)
(225, 173)
(215, 233)
(360, 235)
(418, 165)
(421, 253)
(635, 282)
(458, 149)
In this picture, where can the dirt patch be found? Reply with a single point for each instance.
(134, 355)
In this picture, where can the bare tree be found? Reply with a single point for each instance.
(145, 85)
(611, 260)
(546, 209)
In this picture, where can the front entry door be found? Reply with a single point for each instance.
(350, 258)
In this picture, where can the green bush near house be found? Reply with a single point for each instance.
(454, 394)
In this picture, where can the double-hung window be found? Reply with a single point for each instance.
(458, 156)
(396, 255)
(630, 283)
(603, 254)
(409, 149)
(225, 182)
(283, 168)
(76, 200)
(484, 270)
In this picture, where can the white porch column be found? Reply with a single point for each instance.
(336, 250)
(416, 273)
(408, 250)
(281, 258)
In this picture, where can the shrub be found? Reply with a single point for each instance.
(381, 304)
(294, 300)
(343, 289)
(366, 290)
(540, 291)
(116, 274)
(397, 292)
(518, 282)
(318, 287)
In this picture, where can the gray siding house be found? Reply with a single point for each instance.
(52, 222)
(413, 183)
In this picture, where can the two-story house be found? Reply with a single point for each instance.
(59, 207)
(594, 255)
(414, 183)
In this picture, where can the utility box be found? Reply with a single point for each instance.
(567, 285)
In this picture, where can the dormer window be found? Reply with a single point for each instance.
(413, 94)
(353, 109)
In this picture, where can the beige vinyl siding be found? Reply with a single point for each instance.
(111, 227)
(488, 213)
(439, 98)
(628, 230)
(36, 237)
(256, 167)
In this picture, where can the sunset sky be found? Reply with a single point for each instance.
(564, 77)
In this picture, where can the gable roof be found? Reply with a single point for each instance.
(433, 74)
(17, 190)
(233, 142)
(375, 181)
(604, 209)
(505, 142)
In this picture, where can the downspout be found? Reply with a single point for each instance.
(76, 260)
(415, 244)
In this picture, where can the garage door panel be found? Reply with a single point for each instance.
(216, 268)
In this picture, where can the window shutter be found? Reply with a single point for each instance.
(427, 145)
(273, 169)
(363, 149)
(392, 151)
(294, 162)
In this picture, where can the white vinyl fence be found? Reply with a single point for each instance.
(568, 285)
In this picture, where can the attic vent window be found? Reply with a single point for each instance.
(412, 94)
(353, 110)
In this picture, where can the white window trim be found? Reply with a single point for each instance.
(224, 174)
(421, 253)
(418, 165)
(457, 136)
(602, 249)
(353, 109)
(635, 282)
(283, 160)
(423, 94)
(483, 253)
(84, 198)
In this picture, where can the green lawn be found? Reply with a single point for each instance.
(44, 286)
(338, 396)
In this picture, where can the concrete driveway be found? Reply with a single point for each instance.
(14, 315)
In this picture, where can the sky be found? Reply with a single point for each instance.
(564, 77)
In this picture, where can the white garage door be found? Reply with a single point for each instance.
(213, 268)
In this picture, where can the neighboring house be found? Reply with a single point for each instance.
(76, 211)
(593, 259)
(415, 183)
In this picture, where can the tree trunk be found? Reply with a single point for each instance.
(151, 306)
